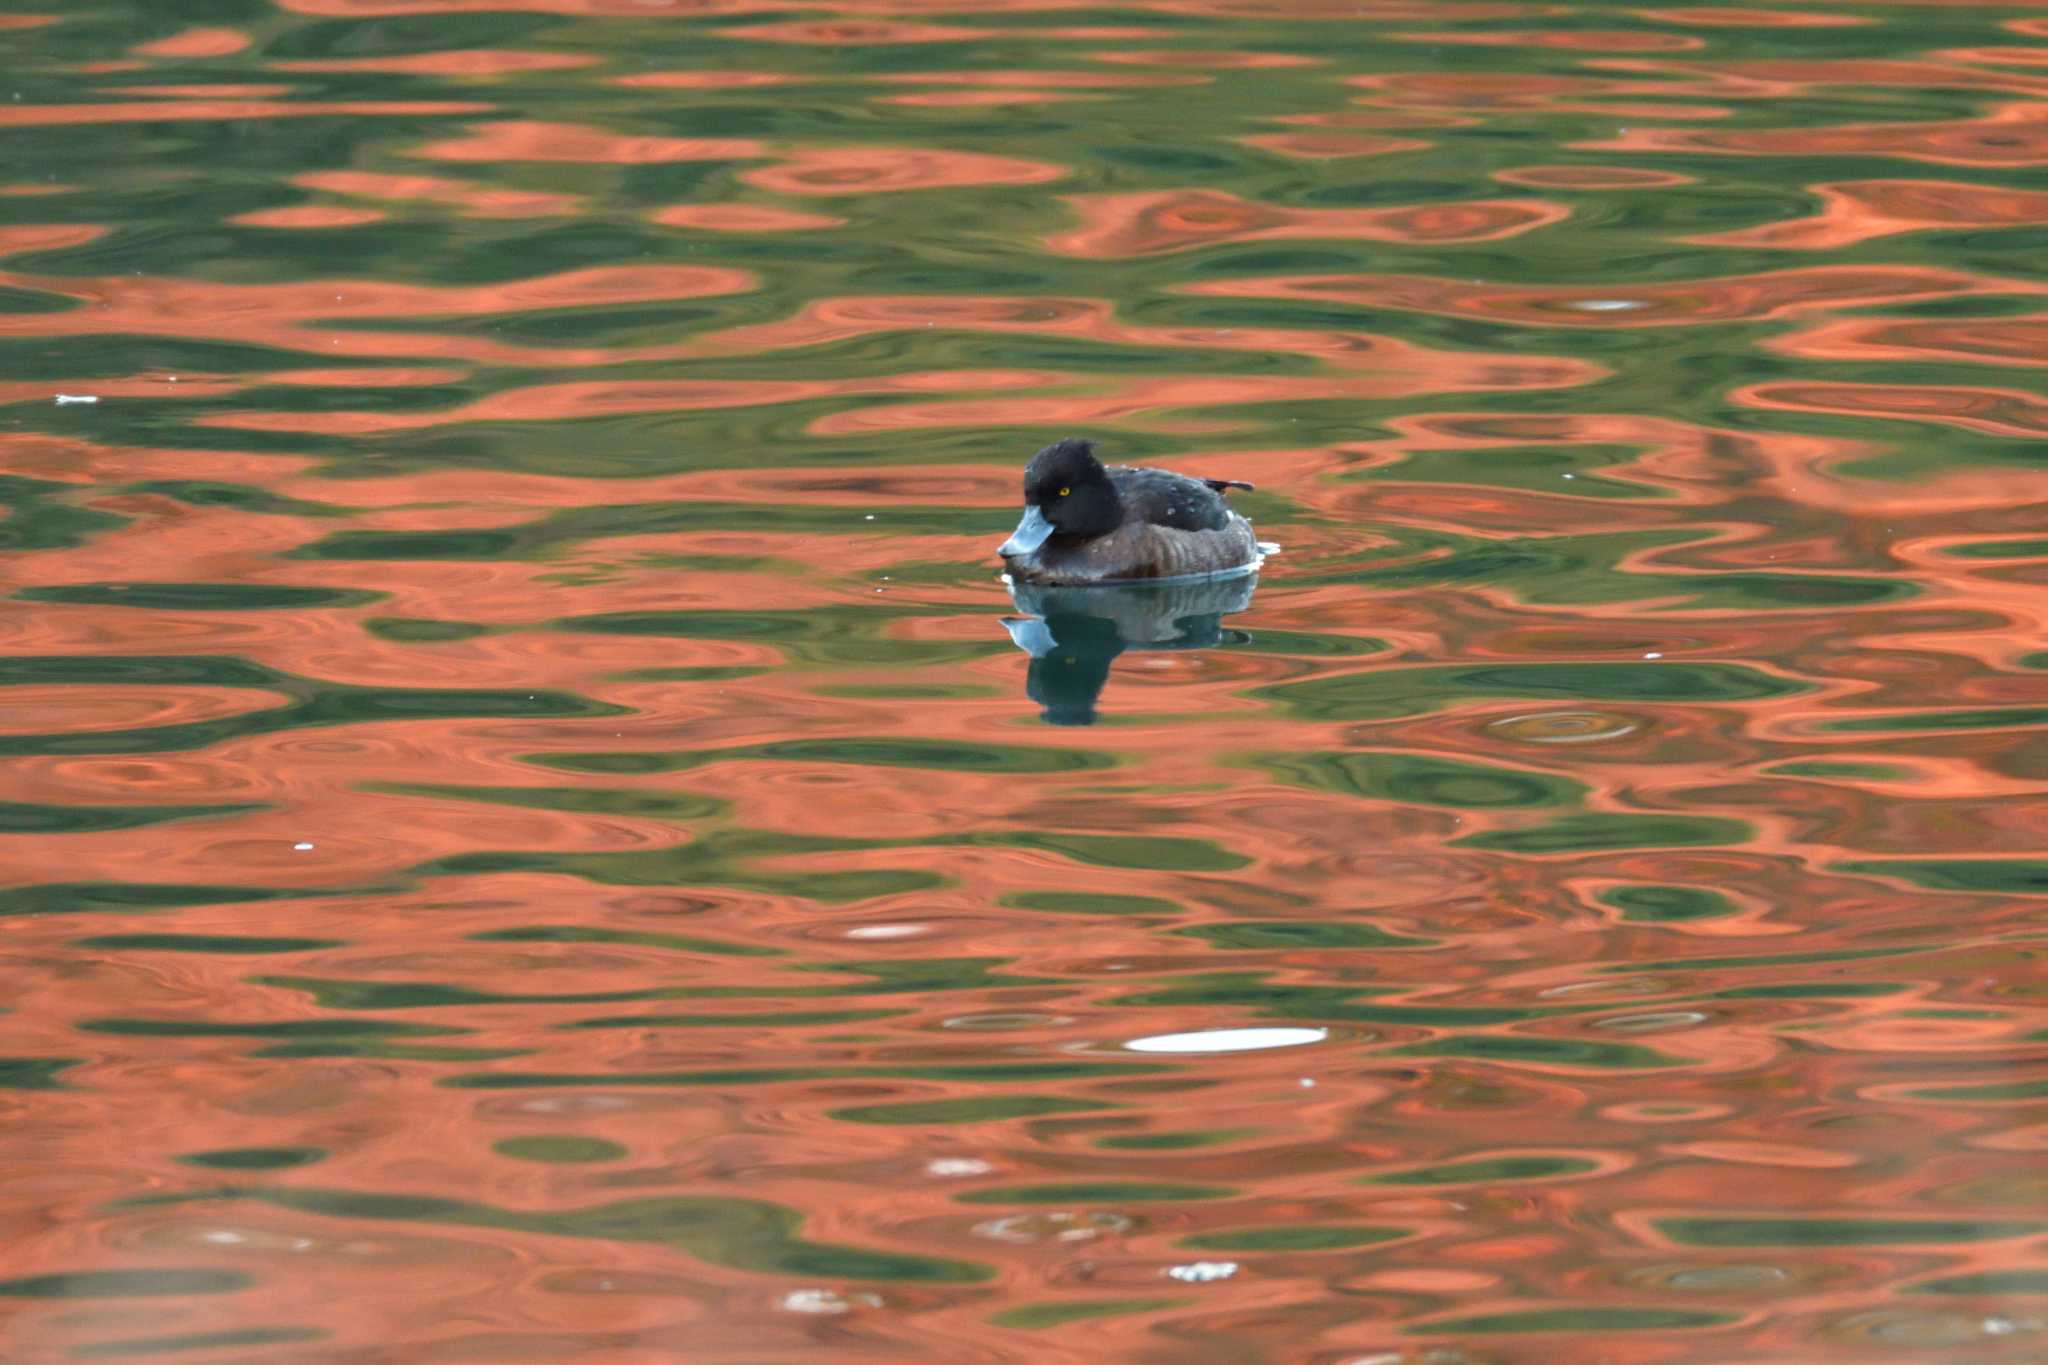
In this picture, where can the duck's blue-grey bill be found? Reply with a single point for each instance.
(1031, 533)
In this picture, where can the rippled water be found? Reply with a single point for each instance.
(532, 826)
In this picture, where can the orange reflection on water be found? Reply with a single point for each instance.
(1734, 17)
(470, 62)
(309, 216)
(1858, 210)
(874, 170)
(1043, 80)
(742, 218)
(15, 240)
(1999, 412)
(603, 398)
(226, 110)
(1144, 224)
(1591, 178)
(290, 316)
(195, 43)
(983, 99)
(2021, 341)
(2010, 135)
(534, 140)
(855, 32)
(1565, 780)
(1776, 294)
(1330, 146)
(703, 80)
(477, 201)
(1207, 61)
(1573, 40)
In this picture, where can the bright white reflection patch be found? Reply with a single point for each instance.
(1228, 1040)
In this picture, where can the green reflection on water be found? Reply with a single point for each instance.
(559, 1148)
(1096, 1192)
(201, 1341)
(662, 805)
(741, 1234)
(1089, 903)
(979, 1109)
(416, 631)
(34, 1073)
(1034, 1316)
(36, 520)
(1153, 852)
(1987, 1282)
(2007, 876)
(2002, 1093)
(256, 1158)
(731, 858)
(1770, 959)
(820, 636)
(1668, 904)
(1332, 1002)
(1982, 718)
(1595, 830)
(1544, 469)
(240, 497)
(73, 898)
(561, 530)
(906, 976)
(1786, 1232)
(228, 944)
(201, 596)
(21, 818)
(1175, 1142)
(1392, 693)
(1303, 934)
(718, 858)
(1488, 1171)
(1573, 1052)
(126, 1284)
(1390, 775)
(314, 703)
(1322, 1237)
(1580, 1319)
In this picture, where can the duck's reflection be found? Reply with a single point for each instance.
(1072, 634)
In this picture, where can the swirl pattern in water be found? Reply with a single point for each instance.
(533, 827)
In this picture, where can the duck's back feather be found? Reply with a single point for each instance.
(1160, 497)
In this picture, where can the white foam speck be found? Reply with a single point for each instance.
(1202, 1272)
(1228, 1040)
(875, 931)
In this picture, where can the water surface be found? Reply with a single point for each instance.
(531, 826)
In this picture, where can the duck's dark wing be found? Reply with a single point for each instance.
(1162, 498)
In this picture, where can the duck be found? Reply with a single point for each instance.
(1089, 523)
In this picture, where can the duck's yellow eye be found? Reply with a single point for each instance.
(1065, 491)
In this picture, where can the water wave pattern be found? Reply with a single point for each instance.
(530, 825)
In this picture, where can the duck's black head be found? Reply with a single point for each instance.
(1068, 493)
